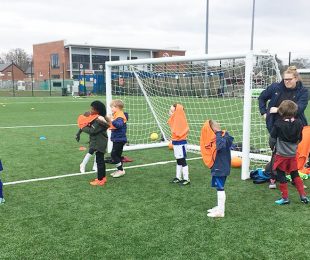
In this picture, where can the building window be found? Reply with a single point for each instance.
(55, 61)
(99, 60)
(133, 58)
(57, 84)
(113, 58)
(55, 76)
(9, 74)
(78, 59)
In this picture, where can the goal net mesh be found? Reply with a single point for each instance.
(208, 89)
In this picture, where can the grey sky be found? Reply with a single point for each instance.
(280, 25)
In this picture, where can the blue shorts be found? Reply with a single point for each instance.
(218, 182)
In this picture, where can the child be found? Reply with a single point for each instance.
(2, 200)
(118, 135)
(179, 130)
(86, 120)
(215, 146)
(287, 131)
(98, 140)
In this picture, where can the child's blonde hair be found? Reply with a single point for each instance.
(214, 124)
(287, 109)
(293, 70)
(117, 103)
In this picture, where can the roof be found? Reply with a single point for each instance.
(3, 66)
(303, 71)
(120, 47)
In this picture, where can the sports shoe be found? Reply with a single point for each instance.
(2, 200)
(175, 180)
(82, 168)
(97, 182)
(185, 182)
(213, 209)
(272, 186)
(304, 199)
(118, 174)
(282, 201)
(216, 214)
(112, 174)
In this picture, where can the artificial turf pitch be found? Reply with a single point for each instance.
(138, 216)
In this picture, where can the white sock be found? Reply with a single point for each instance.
(179, 172)
(86, 158)
(185, 173)
(221, 198)
(95, 164)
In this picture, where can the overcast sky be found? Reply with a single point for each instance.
(280, 25)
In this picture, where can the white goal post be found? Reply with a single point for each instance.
(223, 87)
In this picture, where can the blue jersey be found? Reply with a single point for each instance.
(222, 163)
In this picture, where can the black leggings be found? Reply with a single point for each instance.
(100, 165)
(117, 151)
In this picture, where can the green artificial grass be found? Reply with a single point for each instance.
(138, 216)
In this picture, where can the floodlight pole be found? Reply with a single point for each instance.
(252, 30)
(207, 28)
(206, 46)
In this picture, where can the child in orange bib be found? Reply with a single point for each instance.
(179, 131)
(118, 129)
(215, 146)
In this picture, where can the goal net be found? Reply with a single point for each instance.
(219, 87)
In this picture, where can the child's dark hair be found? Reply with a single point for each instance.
(99, 107)
(287, 109)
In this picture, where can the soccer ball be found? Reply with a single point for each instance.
(236, 162)
(170, 146)
(154, 136)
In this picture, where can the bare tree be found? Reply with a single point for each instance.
(281, 66)
(19, 56)
(301, 63)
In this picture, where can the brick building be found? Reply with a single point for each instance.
(10, 71)
(55, 59)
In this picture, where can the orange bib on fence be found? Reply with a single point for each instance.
(208, 144)
(86, 120)
(178, 124)
(118, 114)
(303, 148)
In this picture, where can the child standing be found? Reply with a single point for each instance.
(118, 135)
(287, 133)
(98, 140)
(2, 200)
(215, 146)
(179, 130)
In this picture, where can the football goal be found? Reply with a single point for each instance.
(222, 87)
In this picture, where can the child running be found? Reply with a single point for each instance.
(179, 130)
(118, 129)
(215, 146)
(287, 133)
(98, 140)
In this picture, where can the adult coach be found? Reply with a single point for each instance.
(290, 88)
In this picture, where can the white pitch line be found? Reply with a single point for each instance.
(78, 174)
(34, 126)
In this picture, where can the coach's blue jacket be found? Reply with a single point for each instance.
(273, 93)
(119, 133)
(221, 166)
